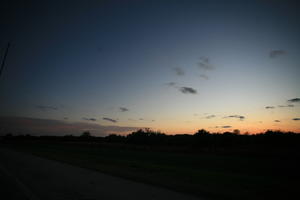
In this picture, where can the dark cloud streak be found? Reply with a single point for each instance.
(295, 100)
(269, 107)
(89, 119)
(123, 109)
(187, 90)
(109, 119)
(236, 116)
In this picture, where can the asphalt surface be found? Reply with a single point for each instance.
(27, 177)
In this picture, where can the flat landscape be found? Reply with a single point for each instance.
(149, 100)
(34, 178)
(263, 174)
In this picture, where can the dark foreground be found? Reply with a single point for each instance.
(24, 176)
(261, 174)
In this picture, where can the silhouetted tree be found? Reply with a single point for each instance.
(236, 131)
(86, 134)
(201, 132)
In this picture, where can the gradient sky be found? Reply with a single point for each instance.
(174, 66)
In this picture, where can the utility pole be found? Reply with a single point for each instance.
(4, 59)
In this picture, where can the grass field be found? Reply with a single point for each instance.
(210, 175)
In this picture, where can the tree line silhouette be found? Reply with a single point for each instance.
(201, 140)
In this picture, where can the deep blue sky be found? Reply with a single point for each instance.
(72, 60)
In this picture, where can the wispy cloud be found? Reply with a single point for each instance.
(236, 116)
(276, 53)
(210, 116)
(205, 64)
(296, 119)
(223, 126)
(109, 119)
(188, 90)
(184, 90)
(123, 109)
(269, 107)
(89, 119)
(286, 106)
(178, 71)
(295, 100)
(203, 76)
(46, 108)
(35, 126)
(171, 84)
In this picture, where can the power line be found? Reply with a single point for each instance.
(4, 59)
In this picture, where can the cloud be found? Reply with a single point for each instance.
(210, 116)
(276, 120)
(295, 100)
(223, 126)
(89, 119)
(46, 108)
(123, 109)
(205, 64)
(203, 76)
(187, 90)
(286, 106)
(178, 71)
(296, 119)
(109, 119)
(276, 53)
(236, 116)
(35, 126)
(171, 84)
(269, 107)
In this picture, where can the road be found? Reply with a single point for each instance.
(27, 177)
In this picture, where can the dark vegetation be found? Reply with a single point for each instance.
(213, 165)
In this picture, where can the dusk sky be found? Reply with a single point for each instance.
(174, 66)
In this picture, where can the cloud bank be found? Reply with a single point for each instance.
(35, 126)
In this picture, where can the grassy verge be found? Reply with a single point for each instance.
(213, 176)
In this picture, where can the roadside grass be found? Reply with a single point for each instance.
(213, 176)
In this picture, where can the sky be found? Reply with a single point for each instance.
(114, 66)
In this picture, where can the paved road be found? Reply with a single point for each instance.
(24, 176)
